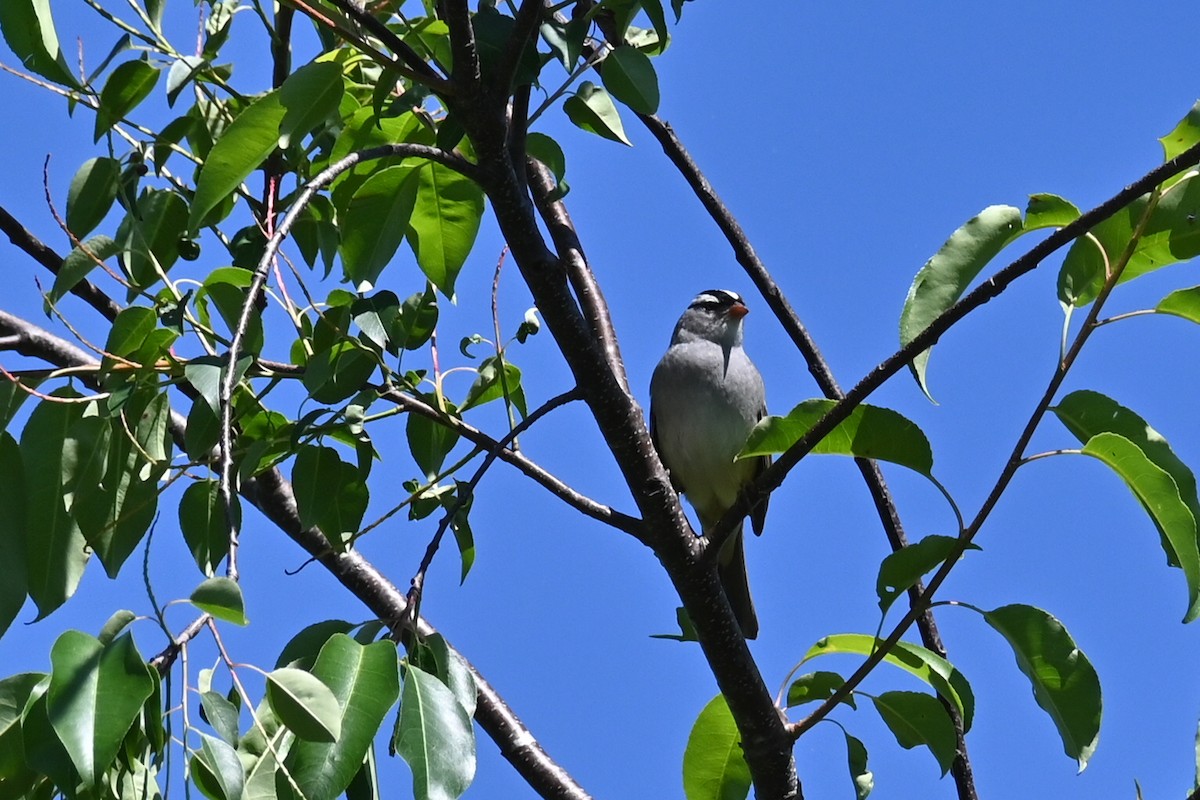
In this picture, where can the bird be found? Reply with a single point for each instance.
(706, 396)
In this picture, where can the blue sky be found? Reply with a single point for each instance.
(850, 140)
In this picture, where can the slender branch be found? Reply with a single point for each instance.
(272, 494)
(466, 70)
(987, 291)
(558, 488)
(229, 375)
(20, 236)
(1014, 462)
(818, 367)
(166, 659)
(423, 72)
(583, 281)
(524, 31)
(467, 491)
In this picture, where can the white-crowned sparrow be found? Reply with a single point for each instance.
(705, 397)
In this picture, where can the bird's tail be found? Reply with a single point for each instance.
(731, 566)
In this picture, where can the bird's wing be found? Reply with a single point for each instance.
(654, 438)
(758, 514)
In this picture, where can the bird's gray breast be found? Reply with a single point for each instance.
(704, 409)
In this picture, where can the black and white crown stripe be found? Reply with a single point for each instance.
(715, 299)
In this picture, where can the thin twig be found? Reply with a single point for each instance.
(1014, 462)
(989, 290)
(467, 490)
(819, 368)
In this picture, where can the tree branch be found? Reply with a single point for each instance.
(987, 291)
(466, 70)
(579, 272)
(273, 495)
(42, 253)
(525, 29)
(558, 488)
(819, 368)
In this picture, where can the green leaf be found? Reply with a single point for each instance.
(1064, 682)
(375, 222)
(217, 770)
(365, 681)
(221, 715)
(869, 432)
(931, 668)
(304, 704)
(330, 494)
(79, 262)
(435, 656)
(302, 649)
(687, 630)
(435, 736)
(713, 765)
(1182, 303)
(95, 694)
(1170, 236)
(127, 86)
(202, 522)
(548, 151)
(43, 750)
(1049, 211)
(430, 441)
(418, 320)
(14, 694)
(340, 372)
(592, 109)
(180, 75)
(13, 536)
(309, 96)
(494, 383)
(116, 516)
(91, 194)
(1158, 493)
(944, 278)
(1086, 413)
(243, 146)
(630, 77)
(903, 568)
(856, 758)
(1184, 135)
(54, 450)
(916, 718)
(29, 30)
(222, 598)
(444, 224)
(149, 236)
(816, 687)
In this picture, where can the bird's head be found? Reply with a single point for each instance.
(714, 315)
